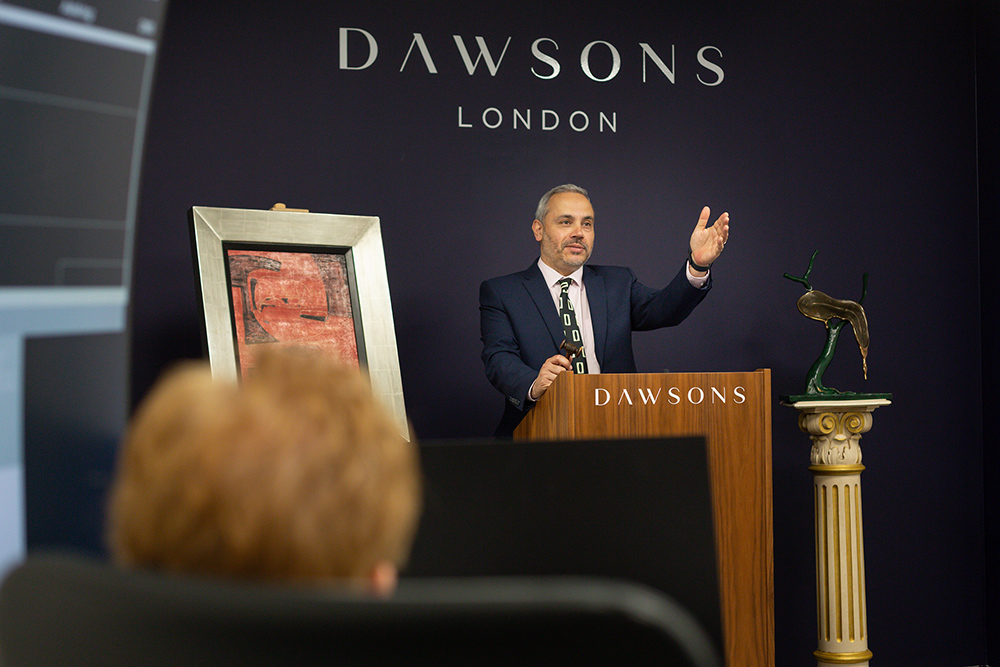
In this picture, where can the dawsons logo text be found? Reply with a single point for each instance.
(674, 396)
(359, 51)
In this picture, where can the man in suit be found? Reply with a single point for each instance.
(522, 319)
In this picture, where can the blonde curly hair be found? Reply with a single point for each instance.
(298, 475)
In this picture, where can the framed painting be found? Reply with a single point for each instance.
(289, 278)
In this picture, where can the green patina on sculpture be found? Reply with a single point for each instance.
(818, 306)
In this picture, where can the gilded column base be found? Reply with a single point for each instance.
(858, 658)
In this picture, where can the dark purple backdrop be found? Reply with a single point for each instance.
(844, 127)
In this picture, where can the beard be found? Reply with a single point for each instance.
(574, 259)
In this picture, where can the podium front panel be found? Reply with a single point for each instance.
(733, 412)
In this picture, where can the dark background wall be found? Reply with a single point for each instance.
(988, 107)
(845, 127)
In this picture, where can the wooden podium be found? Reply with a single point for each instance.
(733, 412)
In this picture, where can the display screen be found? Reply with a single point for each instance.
(75, 79)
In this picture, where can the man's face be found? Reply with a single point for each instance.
(566, 236)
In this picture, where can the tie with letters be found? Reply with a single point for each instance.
(571, 331)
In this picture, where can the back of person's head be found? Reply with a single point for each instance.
(297, 475)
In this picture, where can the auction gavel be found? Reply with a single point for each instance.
(570, 350)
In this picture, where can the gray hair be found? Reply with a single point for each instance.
(543, 203)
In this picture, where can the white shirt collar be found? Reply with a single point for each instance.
(552, 276)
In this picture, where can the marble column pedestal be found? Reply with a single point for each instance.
(835, 428)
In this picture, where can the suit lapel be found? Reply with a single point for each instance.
(540, 294)
(598, 302)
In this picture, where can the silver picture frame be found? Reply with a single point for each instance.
(214, 229)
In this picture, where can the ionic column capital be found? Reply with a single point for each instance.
(835, 436)
(835, 429)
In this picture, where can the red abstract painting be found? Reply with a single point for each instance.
(291, 298)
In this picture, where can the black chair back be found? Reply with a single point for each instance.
(64, 611)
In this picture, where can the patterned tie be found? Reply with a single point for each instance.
(571, 331)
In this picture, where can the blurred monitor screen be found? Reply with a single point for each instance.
(75, 81)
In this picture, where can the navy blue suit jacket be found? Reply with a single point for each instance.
(520, 325)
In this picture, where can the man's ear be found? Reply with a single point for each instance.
(382, 578)
(536, 227)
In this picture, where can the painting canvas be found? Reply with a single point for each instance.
(281, 277)
(299, 296)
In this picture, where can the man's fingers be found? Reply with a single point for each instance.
(703, 218)
(560, 362)
(552, 367)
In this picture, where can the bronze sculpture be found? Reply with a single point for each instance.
(818, 306)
